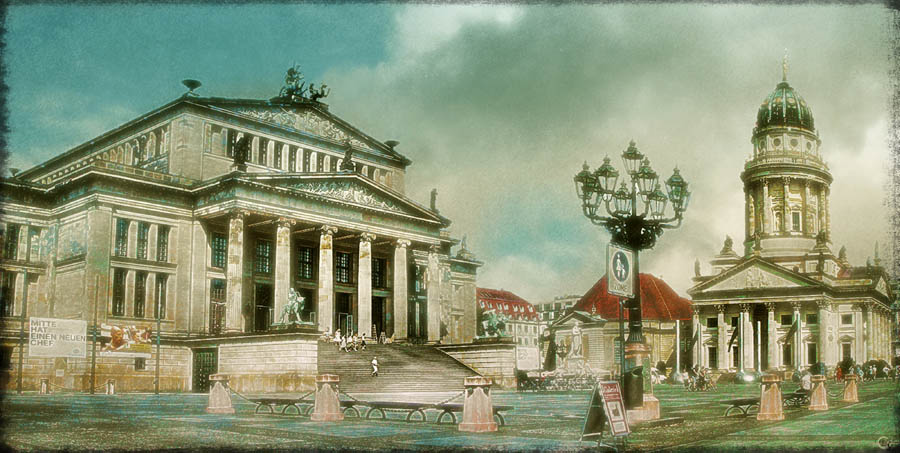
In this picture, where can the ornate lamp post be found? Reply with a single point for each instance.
(635, 214)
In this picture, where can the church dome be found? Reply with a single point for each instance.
(784, 108)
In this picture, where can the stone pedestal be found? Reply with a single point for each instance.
(770, 403)
(818, 398)
(851, 393)
(649, 410)
(110, 386)
(45, 386)
(478, 408)
(327, 407)
(638, 354)
(219, 397)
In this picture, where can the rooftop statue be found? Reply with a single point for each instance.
(493, 323)
(294, 87)
(242, 150)
(322, 92)
(347, 164)
(728, 246)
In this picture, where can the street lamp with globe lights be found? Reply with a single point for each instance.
(634, 214)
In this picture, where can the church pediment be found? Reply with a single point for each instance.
(882, 287)
(304, 120)
(754, 274)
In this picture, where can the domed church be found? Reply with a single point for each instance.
(786, 301)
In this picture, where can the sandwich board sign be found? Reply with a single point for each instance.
(620, 270)
(606, 408)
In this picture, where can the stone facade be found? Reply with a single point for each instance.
(787, 301)
(162, 212)
(495, 359)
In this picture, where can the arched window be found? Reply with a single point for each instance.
(326, 163)
(313, 162)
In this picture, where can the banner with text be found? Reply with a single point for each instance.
(127, 341)
(49, 337)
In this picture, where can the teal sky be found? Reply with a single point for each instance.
(497, 106)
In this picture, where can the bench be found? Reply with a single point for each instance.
(450, 408)
(272, 403)
(796, 399)
(743, 405)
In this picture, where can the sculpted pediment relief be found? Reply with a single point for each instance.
(307, 121)
(348, 191)
(754, 277)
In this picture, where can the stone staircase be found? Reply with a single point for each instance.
(401, 368)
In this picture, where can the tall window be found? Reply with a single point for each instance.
(263, 150)
(713, 354)
(278, 163)
(11, 246)
(812, 318)
(845, 351)
(143, 235)
(217, 305)
(140, 293)
(305, 266)
(712, 323)
(811, 357)
(231, 141)
(7, 293)
(378, 272)
(787, 355)
(795, 221)
(734, 321)
(162, 243)
(121, 237)
(118, 303)
(735, 356)
(263, 262)
(219, 250)
(292, 159)
(159, 305)
(344, 266)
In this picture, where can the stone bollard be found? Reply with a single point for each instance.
(110, 386)
(818, 398)
(328, 406)
(770, 403)
(45, 386)
(478, 407)
(219, 397)
(851, 389)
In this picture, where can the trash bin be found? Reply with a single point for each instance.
(634, 387)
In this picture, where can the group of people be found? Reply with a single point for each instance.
(354, 342)
(698, 379)
(869, 373)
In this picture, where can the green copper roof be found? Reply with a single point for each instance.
(784, 108)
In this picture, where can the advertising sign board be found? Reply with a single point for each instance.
(49, 337)
(128, 341)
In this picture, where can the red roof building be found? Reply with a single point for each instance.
(659, 301)
(507, 303)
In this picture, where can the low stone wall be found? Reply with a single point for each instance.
(267, 364)
(496, 360)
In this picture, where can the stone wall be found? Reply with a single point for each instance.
(496, 360)
(261, 364)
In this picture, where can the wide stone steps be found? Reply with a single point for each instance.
(401, 368)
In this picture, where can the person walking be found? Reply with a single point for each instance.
(374, 366)
(343, 344)
(362, 342)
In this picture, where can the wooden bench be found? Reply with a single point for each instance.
(743, 405)
(272, 403)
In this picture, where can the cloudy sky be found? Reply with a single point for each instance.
(498, 106)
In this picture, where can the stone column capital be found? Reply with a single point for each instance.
(770, 306)
(796, 306)
(403, 243)
(366, 237)
(720, 308)
(239, 214)
(434, 248)
(328, 230)
(745, 308)
(284, 222)
(822, 304)
(696, 310)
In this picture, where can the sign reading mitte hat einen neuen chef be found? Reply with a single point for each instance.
(49, 337)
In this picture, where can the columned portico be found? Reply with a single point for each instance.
(823, 331)
(747, 343)
(235, 275)
(722, 345)
(698, 344)
(326, 278)
(772, 335)
(364, 285)
(798, 335)
(433, 295)
(870, 331)
(282, 264)
(401, 289)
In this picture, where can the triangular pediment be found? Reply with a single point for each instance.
(882, 287)
(348, 189)
(583, 318)
(754, 274)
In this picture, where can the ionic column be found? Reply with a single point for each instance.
(785, 210)
(326, 279)
(859, 343)
(434, 296)
(798, 335)
(879, 336)
(722, 338)
(364, 284)
(235, 275)
(772, 333)
(869, 336)
(823, 331)
(282, 264)
(747, 343)
(401, 289)
(695, 324)
(807, 228)
(827, 213)
(767, 209)
(821, 207)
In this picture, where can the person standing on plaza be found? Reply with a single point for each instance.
(374, 366)
(381, 339)
(362, 342)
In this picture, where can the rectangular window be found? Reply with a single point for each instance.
(811, 353)
(219, 250)
(263, 261)
(847, 319)
(11, 246)
(34, 244)
(786, 320)
(845, 351)
(305, 263)
(140, 293)
(118, 302)
(712, 323)
(162, 243)
(216, 305)
(734, 321)
(292, 159)
(121, 237)
(713, 357)
(277, 162)
(306, 155)
(735, 357)
(812, 318)
(143, 234)
(263, 151)
(379, 266)
(8, 294)
(344, 267)
(159, 305)
(795, 221)
(140, 364)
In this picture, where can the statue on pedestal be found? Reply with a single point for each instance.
(576, 340)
